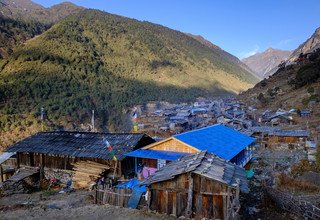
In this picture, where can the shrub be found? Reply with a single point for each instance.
(292, 184)
(304, 166)
(262, 99)
(310, 90)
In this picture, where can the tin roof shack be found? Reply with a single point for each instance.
(7, 165)
(200, 185)
(218, 139)
(80, 156)
(282, 118)
(288, 138)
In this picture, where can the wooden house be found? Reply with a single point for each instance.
(218, 139)
(294, 138)
(80, 156)
(271, 136)
(198, 186)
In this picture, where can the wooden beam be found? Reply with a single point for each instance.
(174, 204)
(135, 165)
(166, 202)
(190, 194)
(41, 166)
(18, 160)
(1, 173)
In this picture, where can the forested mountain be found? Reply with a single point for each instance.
(96, 60)
(266, 63)
(21, 20)
(225, 55)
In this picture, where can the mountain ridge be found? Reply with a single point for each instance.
(21, 20)
(224, 53)
(27, 10)
(266, 63)
(308, 46)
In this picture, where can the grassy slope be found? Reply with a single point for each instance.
(95, 60)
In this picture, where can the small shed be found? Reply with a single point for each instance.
(199, 185)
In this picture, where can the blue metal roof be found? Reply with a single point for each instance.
(156, 154)
(217, 139)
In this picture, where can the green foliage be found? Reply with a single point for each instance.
(94, 60)
(14, 32)
(307, 74)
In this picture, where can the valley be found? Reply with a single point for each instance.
(144, 112)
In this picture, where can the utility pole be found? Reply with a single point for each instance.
(92, 121)
(42, 118)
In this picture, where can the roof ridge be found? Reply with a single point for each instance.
(88, 132)
(210, 126)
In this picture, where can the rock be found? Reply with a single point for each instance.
(53, 206)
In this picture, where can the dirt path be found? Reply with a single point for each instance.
(76, 205)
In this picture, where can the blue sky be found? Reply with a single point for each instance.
(241, 27)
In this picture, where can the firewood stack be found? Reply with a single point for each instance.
(86, 173)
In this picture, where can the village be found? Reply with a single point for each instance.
(213, 159)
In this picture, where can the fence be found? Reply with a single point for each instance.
(293, 204)
(116, 197)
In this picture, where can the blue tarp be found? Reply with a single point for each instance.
(217, 139)
(132, 184)
(134, 199)
(156, 154)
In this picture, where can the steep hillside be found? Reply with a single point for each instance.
(21, 20)
(266, 63)
(294, 86)
(14, 32)
(222, 53)
(308, 46)
(95, 60)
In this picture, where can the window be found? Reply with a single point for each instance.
(161, 163)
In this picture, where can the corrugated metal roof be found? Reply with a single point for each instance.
(156, 154)
(204, 164)
(278, 132)
(5, 156)
(217, 139)
(262, 129)
(290, 133)
(80, 144)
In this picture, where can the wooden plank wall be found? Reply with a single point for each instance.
(59, 162)
(276, 139)
(210, 198)
(174, 145)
